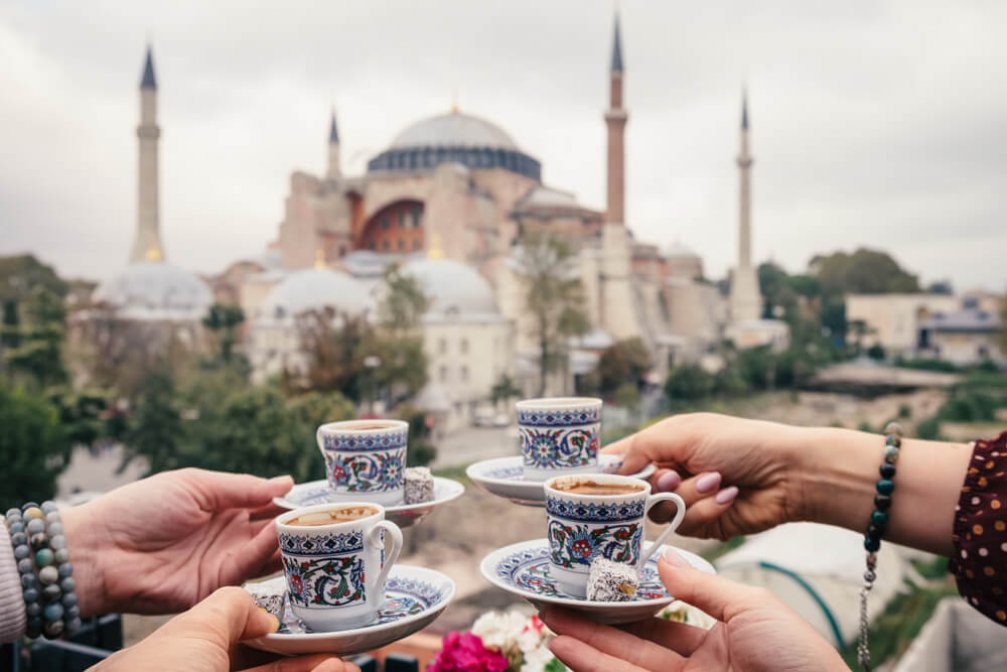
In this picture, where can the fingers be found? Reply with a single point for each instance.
(252, 559)
(666, 442)
(606, 640)
(704, 498)
(218, 490)
(719, 597)
(581, 657)
(322, 662)
(679, 637)
(233, 613)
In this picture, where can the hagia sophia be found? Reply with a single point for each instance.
(450, 200)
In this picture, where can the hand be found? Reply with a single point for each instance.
(696, 452)
(161, 544)
(755, 632)
(204, 639)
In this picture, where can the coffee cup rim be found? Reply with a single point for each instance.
(600, 479)
(364, 426)
(283, 520)
(557, 402)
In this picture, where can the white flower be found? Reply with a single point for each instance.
(500, 630)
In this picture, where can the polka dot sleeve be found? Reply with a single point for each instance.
(980, 531)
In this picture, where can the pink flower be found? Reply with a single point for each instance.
(464, 652)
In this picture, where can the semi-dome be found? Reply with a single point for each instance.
(452, 287)
(680, 251)
(454, 137)
(454, 130)
(316, 289)
(155, 290)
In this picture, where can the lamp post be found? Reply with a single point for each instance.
(371, 363)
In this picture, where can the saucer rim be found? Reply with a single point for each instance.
(473, 471)
(405, 571)
(284, 503)
(489, 563)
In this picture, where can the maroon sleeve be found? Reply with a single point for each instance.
(980, 531)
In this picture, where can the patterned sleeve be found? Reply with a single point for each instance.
(980, 531)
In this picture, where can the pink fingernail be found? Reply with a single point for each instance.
(708, 482)
(727, 495)
(669, 481)
(674, 559)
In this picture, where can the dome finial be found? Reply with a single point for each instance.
(154, 253)
(454, 101)
(435, 251)
(319, 258)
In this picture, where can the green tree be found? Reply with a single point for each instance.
(689, 382)
(21, 274)
(504, 389)
(863, 272)
(33, 447)
(623, 363)
(402, 304)
(553, 297)
(223, 321)
(38, 357)
(156, 432)
(421, 447)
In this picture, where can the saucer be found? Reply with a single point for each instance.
(523, 570)
(504, 477)
(403, 515)
(414, 598)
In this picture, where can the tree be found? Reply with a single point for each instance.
(334, 349)
(38, 357)
(403, 303)
(623, 363)
(688, 382)
(554, 298)
(504, 389)
(156, 432)
(222, 321)
(21, 274)
(33, 447)
(863, 272)
(399, 343)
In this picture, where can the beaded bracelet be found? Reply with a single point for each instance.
(885, 486)
(43, 561)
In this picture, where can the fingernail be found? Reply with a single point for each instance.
(727, 495)
(673, 558)
(669, 481)
(708, 482)
(276, 622)
(285, 479)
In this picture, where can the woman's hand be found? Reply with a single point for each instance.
(755, 632)
(205, 638)
(697, 453)
(163, 543)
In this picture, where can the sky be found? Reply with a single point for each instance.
(875, 123)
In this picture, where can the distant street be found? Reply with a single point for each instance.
(476, 443)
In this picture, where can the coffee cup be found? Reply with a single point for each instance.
(559, 435)
(336, 558)
(599, 515)
(365, 460)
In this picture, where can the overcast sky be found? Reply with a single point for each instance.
(875, 123)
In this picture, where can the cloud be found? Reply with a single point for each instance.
(874, 123)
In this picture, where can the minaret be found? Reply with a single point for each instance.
(617, 309)
(147, 244)
(334, 171)
(615, 119)
(746, 302)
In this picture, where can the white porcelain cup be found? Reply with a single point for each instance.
(336, 571)
(559, 435)
(583, 526)
(365, 460)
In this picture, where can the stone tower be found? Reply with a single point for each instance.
(333, 171)
(618, 307)
(147, 244)
(746, 302)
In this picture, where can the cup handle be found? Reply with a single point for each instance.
(374, 537)
(672, 526)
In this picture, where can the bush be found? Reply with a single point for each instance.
(905, 411)
(970, 407)
(929, 429)
(939, 365)
(627, 395)
(689, 383)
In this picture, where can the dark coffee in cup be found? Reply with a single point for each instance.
(333, 516)
(587, 487)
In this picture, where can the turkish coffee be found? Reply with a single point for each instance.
(332, 517)
(592, 488)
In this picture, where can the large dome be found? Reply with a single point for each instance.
(454, 130)
(452, 287)
(455, 138)
(155, 290)
(315, 289)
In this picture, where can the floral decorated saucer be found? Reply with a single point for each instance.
(523, 570)
(403, 515)
(504, 477)
(414, 598)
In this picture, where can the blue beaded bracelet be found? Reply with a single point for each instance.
(876, 528)
(17, 527)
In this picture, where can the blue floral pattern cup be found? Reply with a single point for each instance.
(365, 460)
(559, 436)
(583, 526)
(336, 558)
